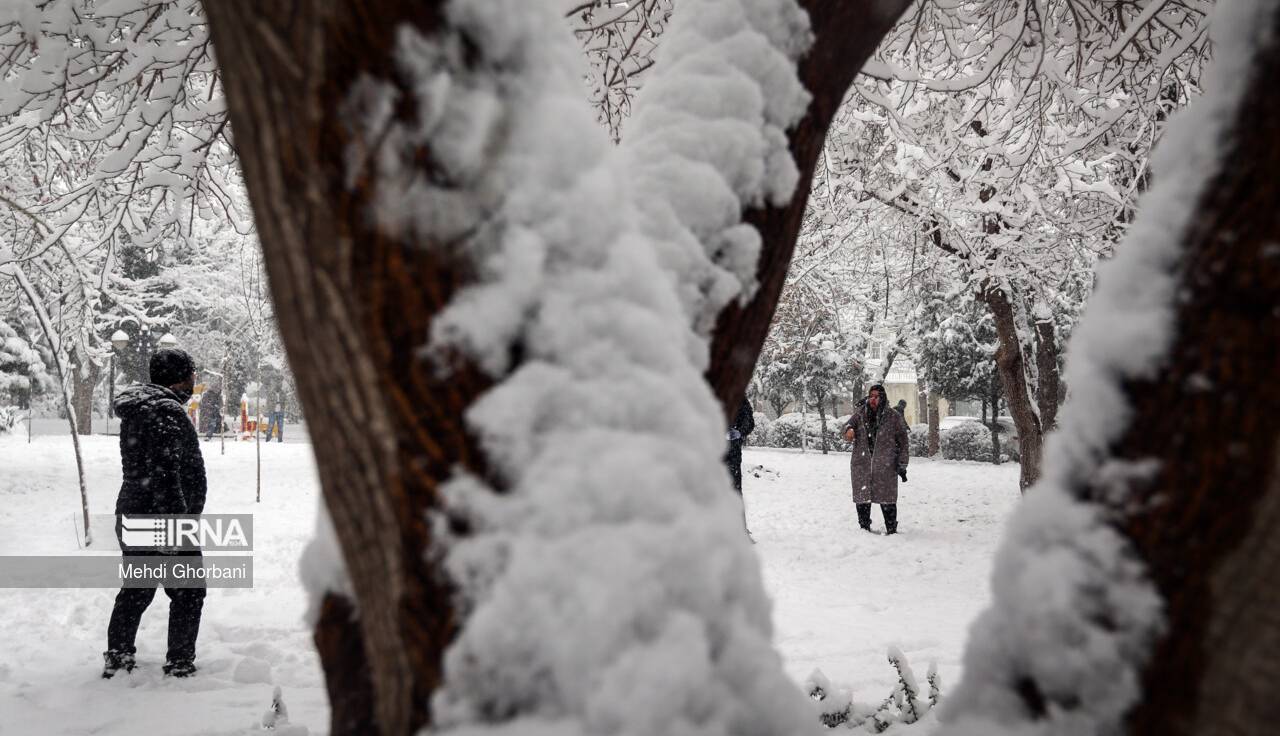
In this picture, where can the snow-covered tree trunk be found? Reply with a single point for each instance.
(84, 378)
(1210, 418)
(62, 370)
(1160, 502)
(358, 300)
(353, 305)
(1048, 381)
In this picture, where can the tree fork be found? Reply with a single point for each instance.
(354, 306)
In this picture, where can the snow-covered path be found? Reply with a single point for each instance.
(841, 595)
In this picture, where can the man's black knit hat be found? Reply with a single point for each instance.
(170, 366)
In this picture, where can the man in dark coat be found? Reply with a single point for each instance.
(901, 408)
(881, 449)
(163, 474)
(211, 411)
(743, 424)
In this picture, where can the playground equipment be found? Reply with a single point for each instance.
(250, 424)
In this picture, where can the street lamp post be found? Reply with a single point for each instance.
(119, 341)
(168, 341)
(144, 353)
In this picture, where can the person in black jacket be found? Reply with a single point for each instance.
(743, 424)
(163, 474)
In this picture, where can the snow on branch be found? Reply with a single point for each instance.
(619, 39)
(710, 141)
(115, 108)
(905, 705)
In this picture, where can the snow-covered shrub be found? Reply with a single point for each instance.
(785, 431)
(968, 441)
(905, 705)
(919, 440)
(760, 436)
(972, 441)
(836, 427)
(9, 416)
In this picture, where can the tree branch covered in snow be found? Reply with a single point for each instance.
(1014, 137)
(113, 119)
(905, 704)
(619, 39)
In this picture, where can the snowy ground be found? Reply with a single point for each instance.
(842, 596)
(51, 641)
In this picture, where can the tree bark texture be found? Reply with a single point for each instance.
(1048, 377)
(993, 395)
(1013, 372)
(354, 305)
(1206, 523)
(846, 34)
(83, 380)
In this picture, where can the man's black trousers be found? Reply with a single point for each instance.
(185, 606)
(733, 460)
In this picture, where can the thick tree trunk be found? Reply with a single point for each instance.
(1206, 521)
(354, 306)
(847, 32)
(1013, 372)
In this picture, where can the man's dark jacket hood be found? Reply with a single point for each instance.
(159, 452)
(143, 396)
